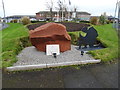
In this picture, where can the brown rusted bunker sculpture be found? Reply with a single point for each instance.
(50, 33)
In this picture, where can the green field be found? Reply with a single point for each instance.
(109, 37)
(11, 44)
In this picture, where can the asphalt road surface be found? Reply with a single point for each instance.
(90, 76)
(3, 26)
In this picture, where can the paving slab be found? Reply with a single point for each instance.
(30, 58)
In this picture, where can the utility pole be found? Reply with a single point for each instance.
(63, 2)
(3, 10)
(69, 10)
(118, 21)
(62, 11)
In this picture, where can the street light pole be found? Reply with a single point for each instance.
(119, 10)
(118, 15)
(3, 10)
(62, 11)
(63, 2)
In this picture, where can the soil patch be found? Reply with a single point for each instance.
(70, 26)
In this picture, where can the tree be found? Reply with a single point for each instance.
(62, 8)
(74, 10)
(25, 20)
(50, 7)
(102, 19)
(94, 20)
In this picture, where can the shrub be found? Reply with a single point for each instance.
(107, 21)
(94, 20)
(74, 38)
(25, 20)
(11, 21)
(23, 42)
(14, 21)
(111, 21)
(102, 19)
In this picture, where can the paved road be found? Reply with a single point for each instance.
(91, 76)
(3, 26)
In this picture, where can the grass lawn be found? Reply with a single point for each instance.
(109, 37)
(11, 44)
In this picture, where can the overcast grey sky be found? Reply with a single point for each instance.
(30, 7)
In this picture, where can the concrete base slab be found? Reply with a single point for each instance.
(30, 58)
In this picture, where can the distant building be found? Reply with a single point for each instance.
(111, 18)
(46, 15)
(83, 16)
(18, 17)
(1, 20)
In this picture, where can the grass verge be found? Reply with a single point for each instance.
(109, 38)
(12, 42)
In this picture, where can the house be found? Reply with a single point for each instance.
(46, 15)
(83, 16)
(1, 20)
(18, 17)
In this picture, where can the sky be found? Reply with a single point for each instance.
(30, 7)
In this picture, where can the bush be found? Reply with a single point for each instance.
(94, 20)
(23, 42)
(74, 38)
(14, 21)
(107, 21)
(111, 21)
(102, 20)
(25, 20)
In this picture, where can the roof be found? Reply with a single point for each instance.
(85, 13)
(19, 16)
(46, 11)
(95, 16)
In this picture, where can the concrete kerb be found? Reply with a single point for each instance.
(40, 66)
(26, 67)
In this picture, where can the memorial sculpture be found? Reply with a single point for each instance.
(89, 38)
(50, 33)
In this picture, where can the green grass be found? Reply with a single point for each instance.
(109, 37)
(12, 36)
(11, 42)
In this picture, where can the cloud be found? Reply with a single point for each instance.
(30, 7)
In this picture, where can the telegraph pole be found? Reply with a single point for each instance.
(63, 3)
(62, 11)
(69, 10)
(118, 23)
(3, 10)
(118, 11)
